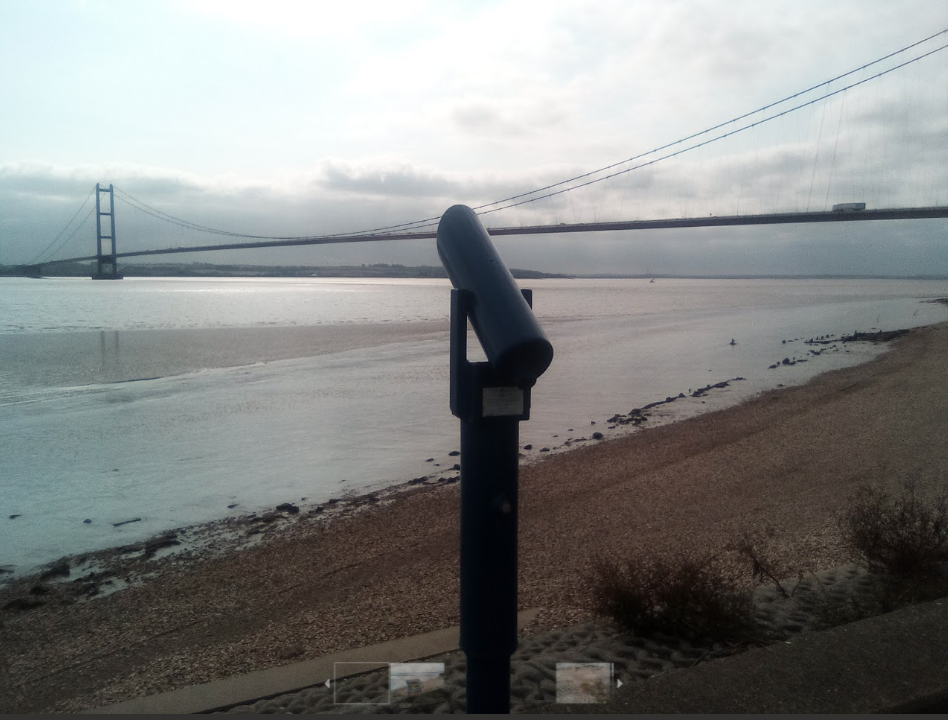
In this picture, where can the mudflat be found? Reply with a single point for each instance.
(779, 465)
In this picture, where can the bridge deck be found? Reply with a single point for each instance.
(710, 221)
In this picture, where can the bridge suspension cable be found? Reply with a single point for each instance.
(167, 217)
(560, 187)
(590, 177)
(483, 209)
(49, 251)
(711, 140)
(731, 121)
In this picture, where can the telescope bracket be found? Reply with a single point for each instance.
(477, 393)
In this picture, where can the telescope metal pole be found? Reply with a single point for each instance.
(489, 451)
(489, 472)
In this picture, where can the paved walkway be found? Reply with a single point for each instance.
(289, 678)
(890, 663)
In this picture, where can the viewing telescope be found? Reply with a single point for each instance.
(490, 398)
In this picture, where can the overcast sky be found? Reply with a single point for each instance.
(297, 118)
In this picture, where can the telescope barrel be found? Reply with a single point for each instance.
(515, 344)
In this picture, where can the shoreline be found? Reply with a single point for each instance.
(390, 569)
(234, 533)
(228, 526)
(316, 426)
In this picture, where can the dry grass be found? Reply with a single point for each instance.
(682, 596)
(903, 534)
(901, 537)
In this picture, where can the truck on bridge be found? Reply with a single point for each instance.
(849, 207)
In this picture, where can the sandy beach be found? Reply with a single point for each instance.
(784, 462)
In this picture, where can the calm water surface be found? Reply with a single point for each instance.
(170, 399)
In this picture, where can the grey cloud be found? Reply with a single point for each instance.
(482, 118)
(508, 119)
(403, 181)
(398, 182)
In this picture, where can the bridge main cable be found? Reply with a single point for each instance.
(411, 229)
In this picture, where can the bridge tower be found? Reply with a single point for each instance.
(106, 265)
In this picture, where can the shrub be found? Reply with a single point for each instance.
(754, 545)
(901, 534)
(683, 596)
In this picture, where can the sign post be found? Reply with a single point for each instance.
(490, 399)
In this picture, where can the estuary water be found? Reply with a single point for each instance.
(181, 401)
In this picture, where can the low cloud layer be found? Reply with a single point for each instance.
(37, 201)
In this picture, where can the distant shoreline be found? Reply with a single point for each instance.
(210, 270)
(386, 270)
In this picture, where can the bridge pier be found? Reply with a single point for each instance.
(106, 266)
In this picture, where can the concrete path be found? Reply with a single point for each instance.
(893, 663)
(289, 678)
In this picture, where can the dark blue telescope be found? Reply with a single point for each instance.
(515, 345)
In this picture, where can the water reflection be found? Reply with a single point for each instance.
(110, 355)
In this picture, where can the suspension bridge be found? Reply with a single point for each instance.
(107, 252)
(106, 267)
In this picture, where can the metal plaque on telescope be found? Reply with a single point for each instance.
(501, 401)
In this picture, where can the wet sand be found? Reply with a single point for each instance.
(786, 460)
